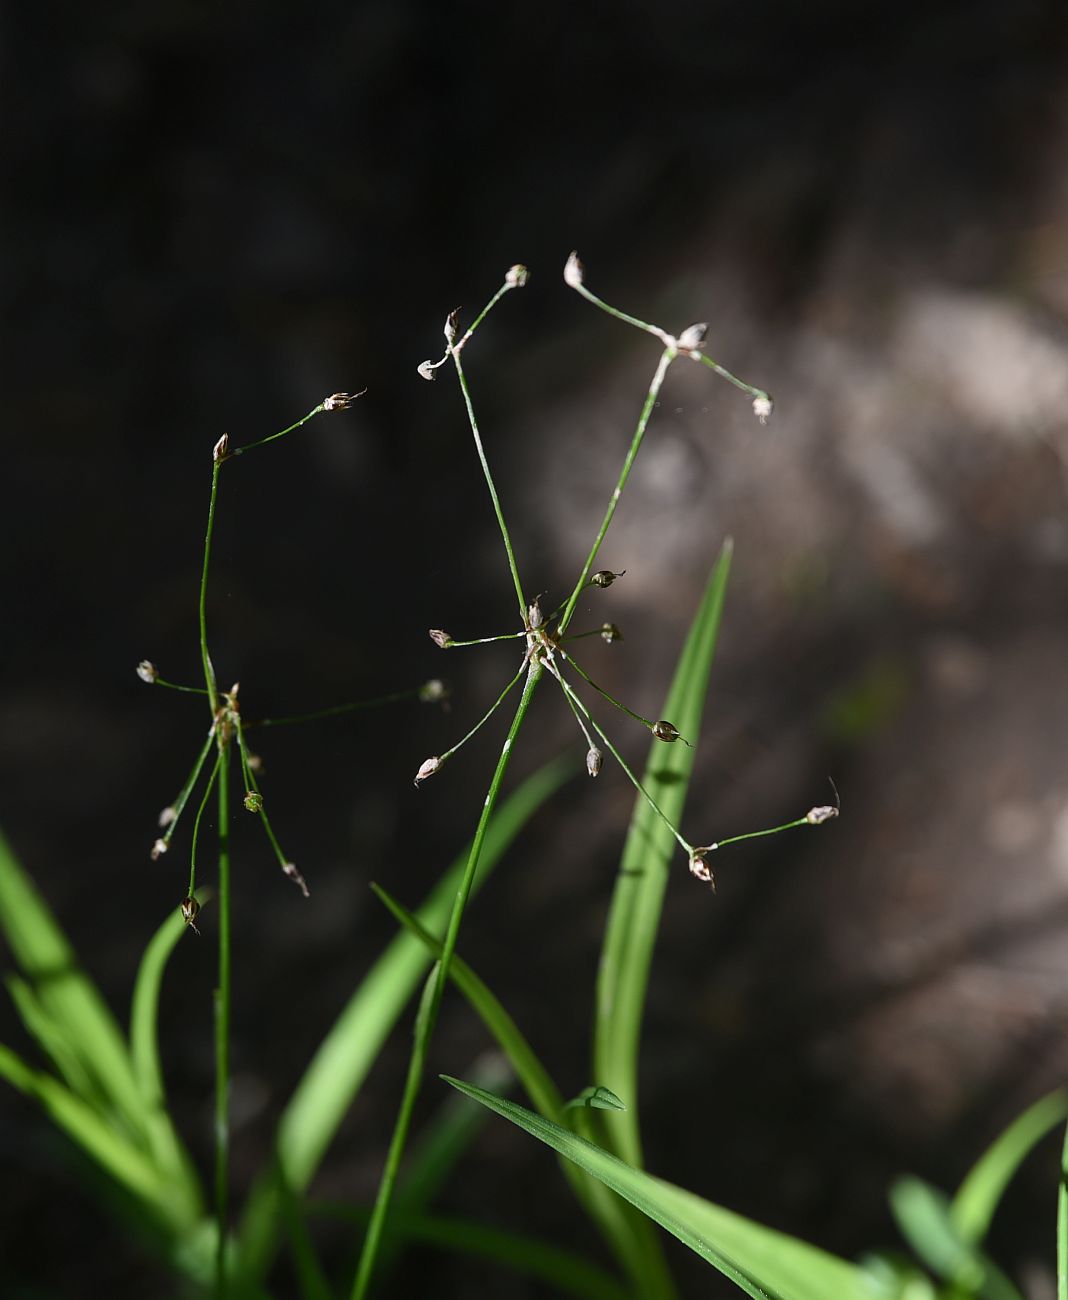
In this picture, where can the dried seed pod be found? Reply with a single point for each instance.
(253, 801)
(573, 271)
(290, 869)
(451, 326)
(665, 731)
(221, 450)
(147, 671)
(535, 618)
(341, 401)
(693, 337)
(699, 866)
(817, 816)
(426, 769)
(440, 638)
(605, 577)
(610, 633)
(516, 276)
(426, 369)
(433, 691)
(190, 908)
(594, 758)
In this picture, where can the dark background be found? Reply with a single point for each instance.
(214, 217)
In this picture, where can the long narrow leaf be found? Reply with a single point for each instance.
(129, 1166)
(65, 993)
(922, 1214)
(650, 850)
(168, 1149)
(766, 1264)
(605, 1209)
(347, 1053)
(978, 1195)
(1062, 1224)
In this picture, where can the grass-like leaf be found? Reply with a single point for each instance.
(595, 1097)
(766, 1264)
(923, 1215)
(67, 998)
(983, 1187)
(650, 850)
(347, 1053)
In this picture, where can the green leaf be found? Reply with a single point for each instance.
(98, 1139)
(923, 1215)
(648, 856)
(596, 1098)
(66, 996)
(346, 1054)
(766, 1264)
(1062, 1224)
(978, 1195)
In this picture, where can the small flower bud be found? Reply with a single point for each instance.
(605, 577)
(693, 337)
(221, 450)
(450, 326)
(147, 671)
(166, 817)
(516, 276)
(665, 731)
(440, 638)
(291, 871)
(253, 801)
(610, 633)
(762, 408)
(817, 816)
(573, 271)
(158, 849)
(341, 401)
(535, 618)
(594, 758)
(426, 369)
(428, 768)
(699, 866)
(190, 908)
(433, 691)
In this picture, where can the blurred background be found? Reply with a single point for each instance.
(214, 217)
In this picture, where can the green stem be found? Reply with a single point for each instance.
(426, 1022)
(667, 357)
(756, 835)
(485, 717)
(209, 671)
(622, 763)
(1062, 1225)
(222, 1027)
(488, 475)
(175, 686)
(604, 694)
(183, 795)
(196, 829)
(336, 710)
(238, 451)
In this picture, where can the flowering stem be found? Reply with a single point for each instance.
(485, 717)
(429, 1012)
(336, 710)
(192, 892)
(209, 671)
(669, 354)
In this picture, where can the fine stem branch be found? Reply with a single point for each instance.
(209, 671)
(667, 356)
(429, 1012)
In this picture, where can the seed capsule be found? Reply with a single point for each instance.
(147, 671)
(605, 577)
(665, 731)
(440, 638)
(594, 758)
(427, 768)
(254, 801)
(190, 908)
(610, 633)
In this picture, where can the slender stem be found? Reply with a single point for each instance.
(669, 354)
(222, 1027)
(1062, 1225)
(175, 686)
(622, 315)
(756, 835)
(485, 717)
(209, 671)
(622, 763)
(604, 694)
(335, 710)
(187, 789)
(484, 640)
(238, 451)
(426, 1022)
(192, 891)
(724, 373)
(488, 475)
